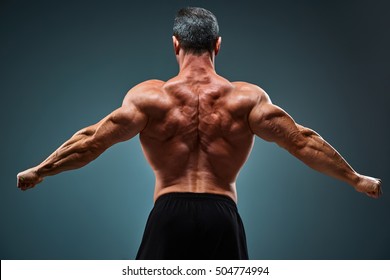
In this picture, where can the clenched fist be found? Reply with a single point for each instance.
(28, 179)
(370, 186)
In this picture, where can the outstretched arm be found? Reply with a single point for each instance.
(273, 124)
(88, 143)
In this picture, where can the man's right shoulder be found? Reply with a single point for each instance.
(150, 89)
(147, 86)
(147, 96)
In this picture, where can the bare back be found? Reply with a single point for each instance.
(197, 137)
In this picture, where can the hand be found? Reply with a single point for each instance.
(370, 186)
(28, 179)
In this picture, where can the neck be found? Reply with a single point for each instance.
(189, 63)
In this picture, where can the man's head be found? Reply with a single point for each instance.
(196, 30)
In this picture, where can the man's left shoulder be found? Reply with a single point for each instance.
(248, 88)
(251, 93)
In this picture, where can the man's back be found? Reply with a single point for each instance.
(197, 137)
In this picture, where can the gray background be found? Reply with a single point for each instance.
(66, 64)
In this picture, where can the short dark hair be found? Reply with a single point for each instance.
(196, 29)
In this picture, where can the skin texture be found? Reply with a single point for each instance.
(196, 131)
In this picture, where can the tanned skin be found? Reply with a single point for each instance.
(196, 131)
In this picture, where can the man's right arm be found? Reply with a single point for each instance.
(273, 124)
(88, 143)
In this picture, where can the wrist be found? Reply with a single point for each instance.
(355, 179)
(38, 170)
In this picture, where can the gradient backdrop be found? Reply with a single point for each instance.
(66, 64)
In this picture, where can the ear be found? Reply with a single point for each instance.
(218, 45)
(176, 45)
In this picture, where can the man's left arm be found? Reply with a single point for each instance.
(272, 123)
(88, 143)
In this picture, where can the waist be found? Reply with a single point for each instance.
(201, 187)
(201, 181)
(196, 196)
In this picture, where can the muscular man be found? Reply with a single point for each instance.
(196, 131)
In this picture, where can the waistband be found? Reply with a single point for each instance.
(197, 196)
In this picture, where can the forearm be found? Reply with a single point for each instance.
(78, 151)
(315, 152)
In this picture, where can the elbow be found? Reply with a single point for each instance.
(89, 146)
(87, 152)
(299, 141)
(93, 146)
(85, 132)
(88, 141)
(308, 132)
(307, 145)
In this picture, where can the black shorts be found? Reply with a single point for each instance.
(193, 226)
